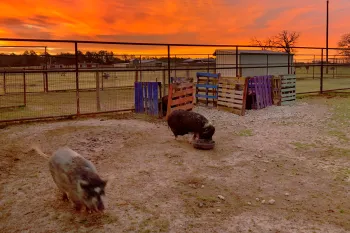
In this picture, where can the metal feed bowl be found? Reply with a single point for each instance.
(203, 144)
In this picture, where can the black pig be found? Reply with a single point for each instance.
(165, 104)
(182, 122)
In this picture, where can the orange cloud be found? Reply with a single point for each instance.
(169, 21)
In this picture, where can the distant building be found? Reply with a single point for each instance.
(88, 65)
(55, 66)
(147, 63)
(199, 61)
(120, 65)
(253, 63)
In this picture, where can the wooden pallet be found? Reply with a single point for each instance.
(232, 94)
(276, 90)
(206, 88)
(147, 97)
(288, 89)
(260, 88)
(284, 89)
(180, 97)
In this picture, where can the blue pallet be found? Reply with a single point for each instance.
(146, 98)
(206, 96)
(207, 75)
(207, 86)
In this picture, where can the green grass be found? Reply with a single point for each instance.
(339, 134)
(245, 133)
(114, 96)
(303, 146)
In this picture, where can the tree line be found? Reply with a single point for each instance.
(102, 57)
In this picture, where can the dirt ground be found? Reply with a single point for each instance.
(279, 169)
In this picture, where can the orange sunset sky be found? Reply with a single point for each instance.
(170, 21)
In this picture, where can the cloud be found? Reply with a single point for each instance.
(172, 21)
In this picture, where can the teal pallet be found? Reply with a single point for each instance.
(288, 89)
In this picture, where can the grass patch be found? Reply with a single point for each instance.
(340, 135)
(207, 199)
(303, 146)
(342, 175)
(338, 152)
(154, 225)
(245, 133)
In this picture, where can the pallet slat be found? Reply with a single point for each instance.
(231, 94)
(206, 96)
(180, 99)
(146, 97)
(284, 89)
(183, 92)
(207, 83)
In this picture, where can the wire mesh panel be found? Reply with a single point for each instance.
(105, 93)
(35, 82)
(61, 81)
(336, 76)
(12, 92)
(24, 92)
(2, 84)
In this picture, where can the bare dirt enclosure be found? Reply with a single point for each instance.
(279, 169)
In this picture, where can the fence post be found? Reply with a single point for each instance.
(188, 71)
(140, 69)
(4, 82)
(237, 61)
(175, 67)
(46, 80)
(24, 88)
(136, 75)
(208, 64)
(77, 77)
(163, 81)
(321, 79)
(102, 81)
(288, 62)
(267, 64)
(169, 65)
(313, 69)
(98, 103)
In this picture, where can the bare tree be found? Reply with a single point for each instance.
(344, 42)
(265, 45)
(285, 40)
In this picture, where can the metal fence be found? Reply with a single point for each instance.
(69, 87)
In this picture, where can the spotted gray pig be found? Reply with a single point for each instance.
(182, 122)
(77, 178)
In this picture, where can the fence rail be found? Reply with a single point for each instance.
(40, 92)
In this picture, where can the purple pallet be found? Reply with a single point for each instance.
(260, 88)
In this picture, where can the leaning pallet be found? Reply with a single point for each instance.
(232, 94)
(276, 90)
(180, 97)
(147, 97)
(206, 88)
(284, 89)
(260, 88)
